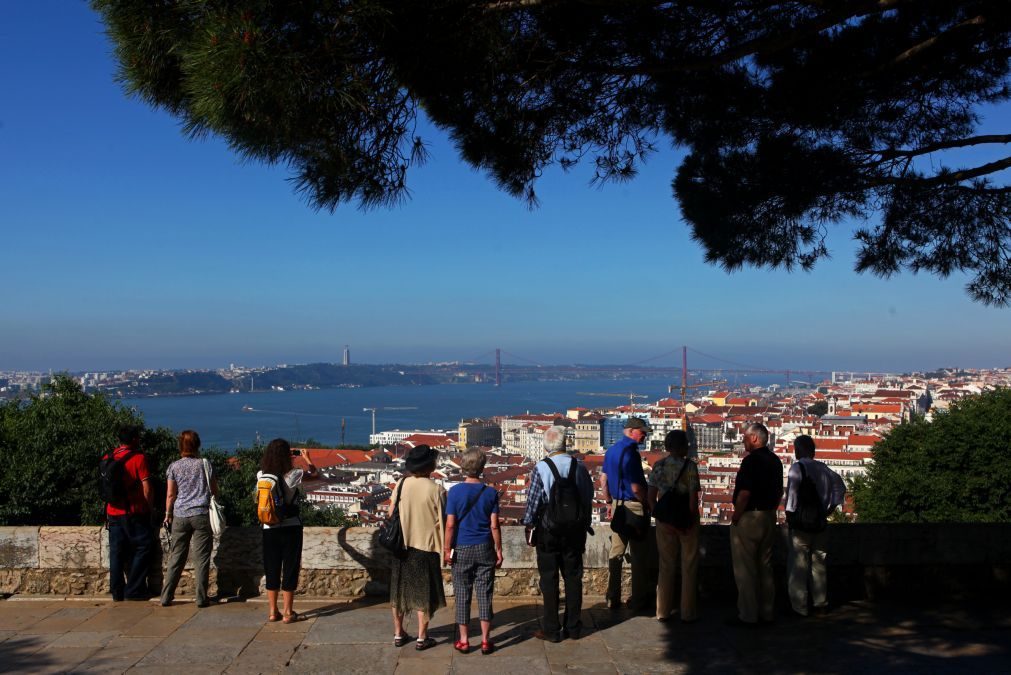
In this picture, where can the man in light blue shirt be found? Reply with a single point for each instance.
(808, 550)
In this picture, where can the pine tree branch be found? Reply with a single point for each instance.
(892, 153)
(946, 178)
(921, 47)
(769, 44)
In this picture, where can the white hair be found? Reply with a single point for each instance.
(554, 439)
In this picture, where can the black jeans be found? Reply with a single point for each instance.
(565, 559)
(282, 551)
(131, 544)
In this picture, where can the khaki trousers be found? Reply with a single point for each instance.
(197, 528)
(669, 545)
(637, 551)
(751, 541)
(806, 565)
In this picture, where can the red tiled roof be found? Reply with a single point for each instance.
(840, 454)
(822, 443)
(327, 457)
(877, 407)
(510, 474)
(431, 440)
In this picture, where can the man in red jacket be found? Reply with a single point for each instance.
(129, 513)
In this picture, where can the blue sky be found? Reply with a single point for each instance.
(126, 244)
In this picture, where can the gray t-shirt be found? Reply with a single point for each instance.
(193, 495)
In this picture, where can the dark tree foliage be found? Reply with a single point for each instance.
(794, 115)
(954, 469)
(818, 408)
(50, 446)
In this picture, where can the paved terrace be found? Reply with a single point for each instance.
(97, 636)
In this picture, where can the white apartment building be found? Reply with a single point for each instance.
(397, 435)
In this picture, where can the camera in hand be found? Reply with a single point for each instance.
(295, 452)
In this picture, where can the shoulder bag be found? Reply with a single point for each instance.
(215, 513)
(624, 522)
(391, 533)
(674, 508)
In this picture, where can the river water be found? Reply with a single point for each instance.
(297, 415)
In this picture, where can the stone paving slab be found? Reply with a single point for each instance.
(19, 615)
(267, 652)
(365, 659)
(356, 637)
(116, 617)
(119, 655)
(163, 622)
(63, 620)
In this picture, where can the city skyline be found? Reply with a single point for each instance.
(131, 246)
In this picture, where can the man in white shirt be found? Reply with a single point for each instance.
(806, 559)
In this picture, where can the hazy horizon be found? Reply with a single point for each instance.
(695, 362)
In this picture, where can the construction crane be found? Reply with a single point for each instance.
(684, 387)
(392, 407)
(631, 396)
(699, 385)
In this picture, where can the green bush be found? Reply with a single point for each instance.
(51, 443)
(50, 446)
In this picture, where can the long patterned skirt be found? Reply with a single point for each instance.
(416, 583)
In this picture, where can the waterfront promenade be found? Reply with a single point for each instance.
(97, 636)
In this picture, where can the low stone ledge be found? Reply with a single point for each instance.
(19, 547)
(865, 561)
(70, 548)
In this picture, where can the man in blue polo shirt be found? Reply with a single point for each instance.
(623, 461)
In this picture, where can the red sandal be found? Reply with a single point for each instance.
(487, 647)
(462, 647)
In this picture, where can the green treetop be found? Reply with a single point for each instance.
(956, 468)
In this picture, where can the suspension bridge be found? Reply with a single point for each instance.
(497, 363)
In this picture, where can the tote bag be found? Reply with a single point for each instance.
(215, 514)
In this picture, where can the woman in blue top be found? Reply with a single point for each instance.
(473, 546)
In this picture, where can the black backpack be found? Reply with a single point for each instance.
(112, 478)
(563, 514)
(809, 515)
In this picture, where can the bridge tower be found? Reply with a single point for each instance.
(498, 367)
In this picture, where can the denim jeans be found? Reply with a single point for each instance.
(131, 544)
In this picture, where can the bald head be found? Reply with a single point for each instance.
(755, 436)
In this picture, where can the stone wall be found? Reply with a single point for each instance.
(866, 561)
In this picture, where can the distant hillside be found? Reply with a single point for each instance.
(182, 382)
(325, 375)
